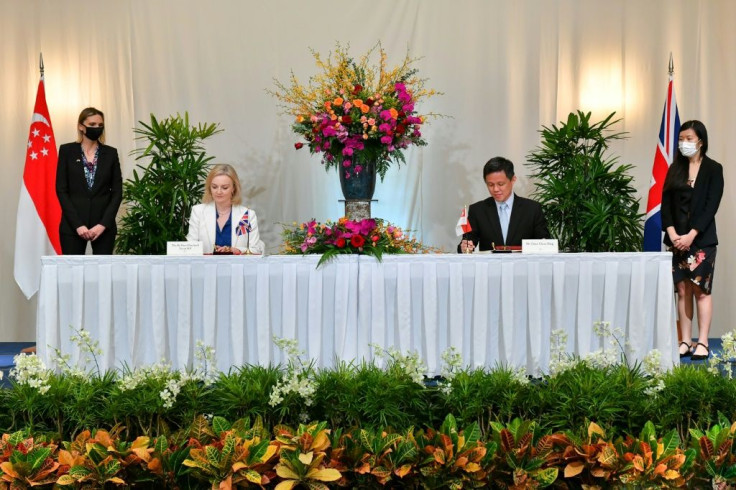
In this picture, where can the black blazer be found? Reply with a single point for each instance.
(704, 202)
(88, 207)
(526, 221)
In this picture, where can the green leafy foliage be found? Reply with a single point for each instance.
(612, 396)
(483, 395)
(588, 198)
(692, 399)
(371, 396)
(158, 200)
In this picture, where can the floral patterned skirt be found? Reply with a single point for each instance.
(697, 264)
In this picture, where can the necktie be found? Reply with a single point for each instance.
(504, 216)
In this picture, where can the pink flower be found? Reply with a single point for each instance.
(386, 140)
(347, 151)
(405, 97)
(358, 169)
(308, 243)
(346, 163)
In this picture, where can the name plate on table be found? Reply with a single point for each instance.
(539, 246)
(184, 248)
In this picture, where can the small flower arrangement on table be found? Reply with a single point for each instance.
(369, 236)
(355, 112)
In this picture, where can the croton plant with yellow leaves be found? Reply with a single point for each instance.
(219, 455)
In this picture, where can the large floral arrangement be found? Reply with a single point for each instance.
(369, 236)
(356, 112)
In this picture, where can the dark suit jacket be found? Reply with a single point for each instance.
(88, 207)
(704, 202)
(526, 221)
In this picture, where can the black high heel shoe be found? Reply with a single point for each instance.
(701, 357)
(688, 352)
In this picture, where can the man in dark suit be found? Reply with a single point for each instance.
(504, 219)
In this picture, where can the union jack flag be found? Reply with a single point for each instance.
(243, 225)
(669, 130)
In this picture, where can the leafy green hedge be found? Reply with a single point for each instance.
(586, 422)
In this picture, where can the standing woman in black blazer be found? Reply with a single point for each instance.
(89, 185)
(690, 199)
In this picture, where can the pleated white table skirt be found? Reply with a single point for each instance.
(495, 309)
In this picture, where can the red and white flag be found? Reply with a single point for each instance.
(39, 212)
(462, 224)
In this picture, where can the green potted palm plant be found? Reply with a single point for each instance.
(159, 200)
(587, 196)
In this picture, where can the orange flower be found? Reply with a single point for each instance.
(338, 101)
(299, 119)
(364, 108)
(394, 113)
(358, 103)
(328, 105)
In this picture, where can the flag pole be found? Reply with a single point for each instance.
(40, 64)
(672, 65)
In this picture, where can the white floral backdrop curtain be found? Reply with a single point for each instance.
(505, 68)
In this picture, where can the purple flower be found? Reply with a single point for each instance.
(385, 115)
(400, 87)
(347, 151)
(386, 140)
(404, 97)
(384, 128)
(329, 131)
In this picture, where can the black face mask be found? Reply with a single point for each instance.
(93, 133)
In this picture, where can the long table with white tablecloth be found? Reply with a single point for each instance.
(493, 308)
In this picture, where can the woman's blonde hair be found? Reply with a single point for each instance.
(89, 111)
(222, 169)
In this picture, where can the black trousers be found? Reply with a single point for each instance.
(76, 245)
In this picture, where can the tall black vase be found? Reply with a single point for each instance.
(360, 186)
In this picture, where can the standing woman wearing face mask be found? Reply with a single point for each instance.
(89, 185)
(690, 198)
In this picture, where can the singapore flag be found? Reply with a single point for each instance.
(39, 212)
